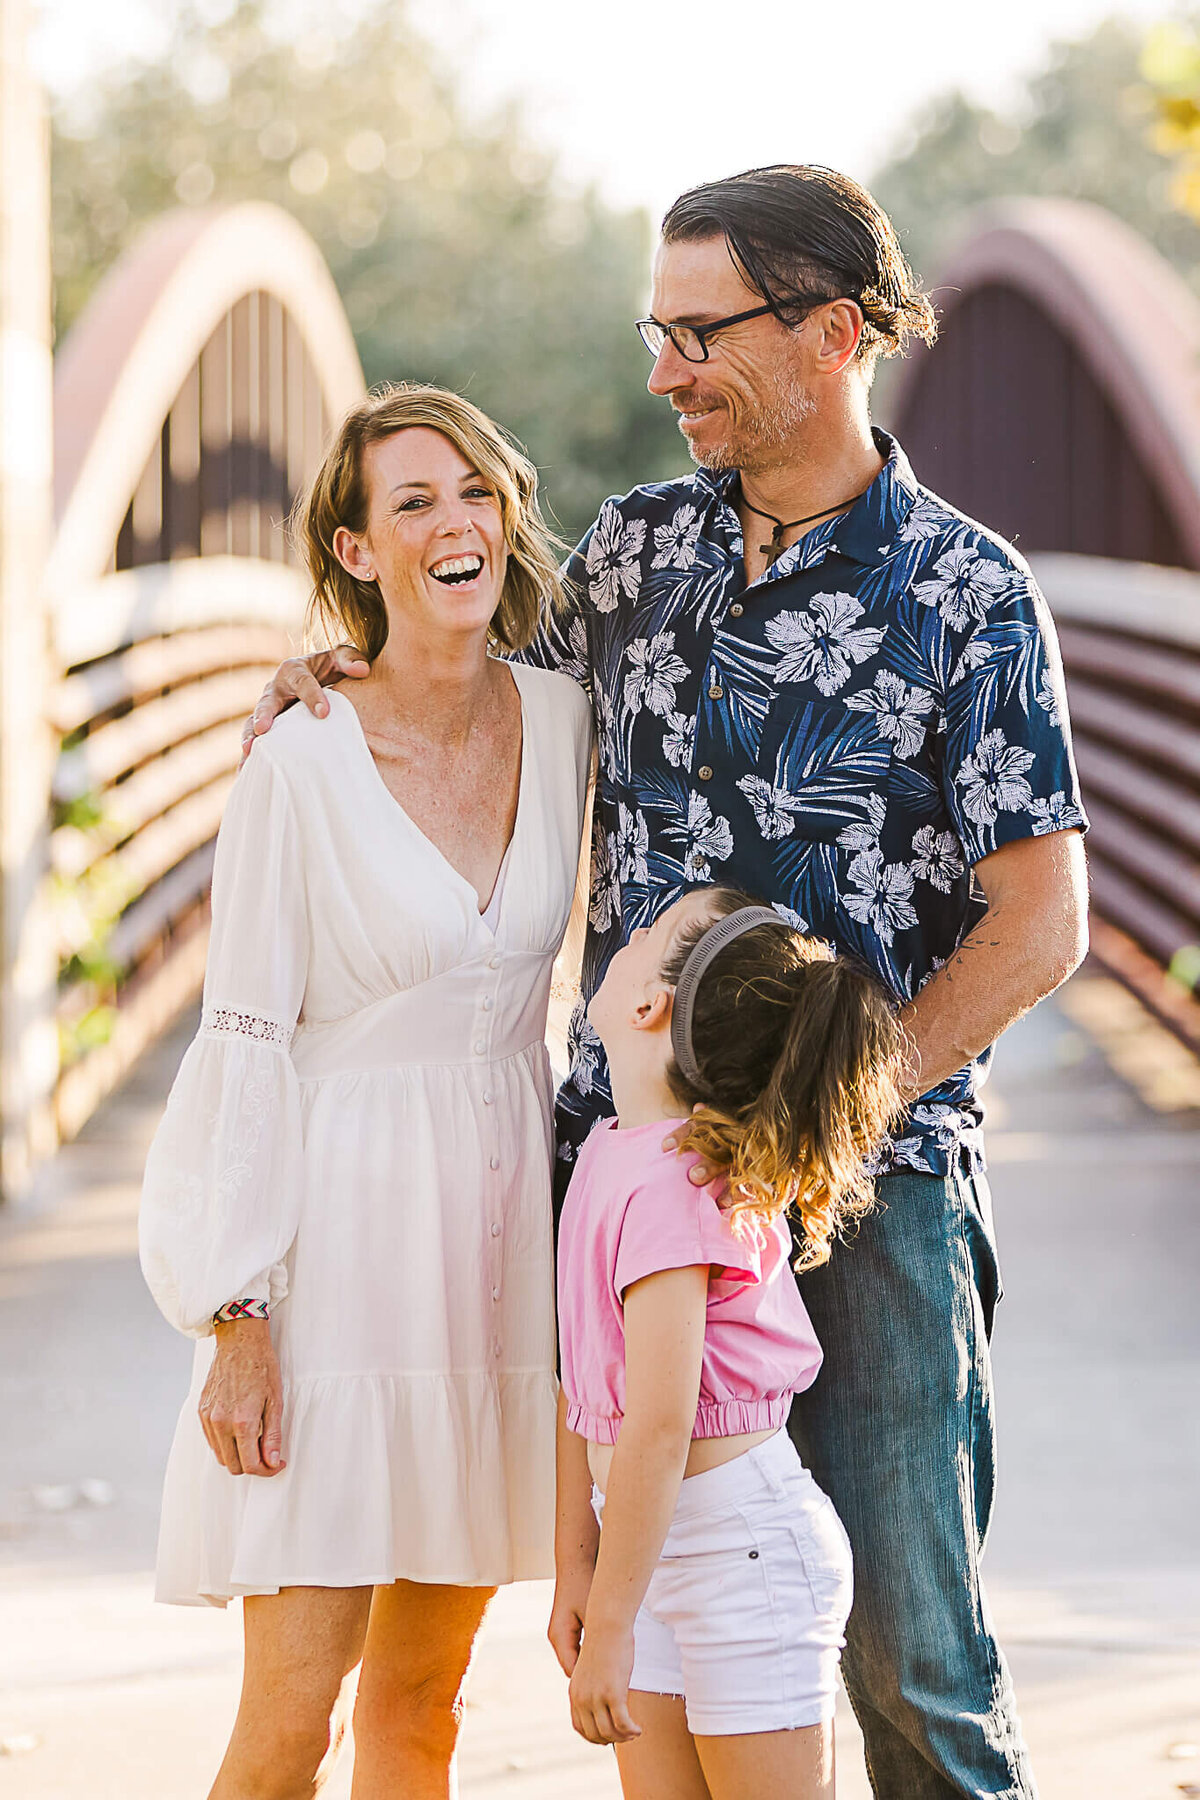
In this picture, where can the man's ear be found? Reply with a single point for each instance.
(654, 1012)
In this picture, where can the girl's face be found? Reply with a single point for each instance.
(434, 539)
(634, 976)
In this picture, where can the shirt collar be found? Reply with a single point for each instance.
(866, 531)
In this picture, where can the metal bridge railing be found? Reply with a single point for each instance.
(1130, 636)
(162, 664)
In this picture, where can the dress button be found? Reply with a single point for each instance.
(705, 774)
(495, 1293)
(715, 691)
(495, 1231)
(496, 1347)
(480, 1047)
(488, 1096)
(488, 1003)
(736, 610)
(493, 962)
(495, 1163)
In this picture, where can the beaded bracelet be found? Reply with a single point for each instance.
(242, 1309)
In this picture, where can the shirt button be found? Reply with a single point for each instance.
(705, 774)
(736, 610)
(495, 1162)
(495, 1231)
(488, 1003)
(488, 1096)
(715, 691)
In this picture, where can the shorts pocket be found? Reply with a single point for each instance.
(824, 1550)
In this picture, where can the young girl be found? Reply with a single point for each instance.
(704, 1580)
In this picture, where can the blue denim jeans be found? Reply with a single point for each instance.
(898, 1432)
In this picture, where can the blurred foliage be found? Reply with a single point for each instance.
(459, 255)
(1085, 127)
(1170, 65)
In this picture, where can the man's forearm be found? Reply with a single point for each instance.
(1027, 943)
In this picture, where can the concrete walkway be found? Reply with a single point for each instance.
(1094, 1565)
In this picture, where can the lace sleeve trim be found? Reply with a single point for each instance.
(221, 1021)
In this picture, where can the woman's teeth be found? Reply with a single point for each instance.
(457, 569)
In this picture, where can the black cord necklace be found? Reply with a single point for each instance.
(776, 546)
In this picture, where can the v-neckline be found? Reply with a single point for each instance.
(407, 818)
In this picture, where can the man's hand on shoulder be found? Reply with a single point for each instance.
(303, 678)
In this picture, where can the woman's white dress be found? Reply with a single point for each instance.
(361, 1131)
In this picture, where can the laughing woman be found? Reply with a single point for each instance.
(348, 1200)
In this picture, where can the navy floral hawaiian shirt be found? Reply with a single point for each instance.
(844, 739)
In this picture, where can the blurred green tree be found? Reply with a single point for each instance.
(460, 256)
(1083, 128)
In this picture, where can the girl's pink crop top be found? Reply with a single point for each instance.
(630, 1212)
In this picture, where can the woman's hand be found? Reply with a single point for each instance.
(565, 1629)
(241, 1408)
(600, 1689)
(302, 678)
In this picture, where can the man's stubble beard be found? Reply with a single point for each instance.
(784, 407)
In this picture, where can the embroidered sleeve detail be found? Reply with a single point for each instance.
(225, 1023)
(242, 1309)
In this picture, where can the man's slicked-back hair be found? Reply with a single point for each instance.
(800, 234)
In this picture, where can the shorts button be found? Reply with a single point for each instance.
(736, 610)
(705, 773)
(754, 1556)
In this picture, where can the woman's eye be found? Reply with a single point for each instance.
(411, 505)
(480, 493)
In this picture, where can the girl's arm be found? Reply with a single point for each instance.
(664, 1343)
(576, 1535)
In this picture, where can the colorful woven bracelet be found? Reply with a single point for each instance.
(242, 1309)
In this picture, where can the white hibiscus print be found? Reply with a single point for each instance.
(976, 651)
(773, 806)
(823, 644)
(633, 844)
(926, 519)
(899, 710)
(1055, 814)
(577, 662)
(612, 558)
(943, 1121)
(703, 837)
(937, 858)
(605, 902)
(993, 779)
(588, 1051)
(963, 587)
(675, 544)
(655, 674)
(884, 898)
(864, 833)
(1049, 699)
(793, 918)
(679, 739)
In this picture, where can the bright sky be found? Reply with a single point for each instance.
(646, 98)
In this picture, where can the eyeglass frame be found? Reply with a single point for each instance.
(704, 332)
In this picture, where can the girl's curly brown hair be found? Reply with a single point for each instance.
(802, 1060)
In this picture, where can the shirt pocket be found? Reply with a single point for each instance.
(824, 771)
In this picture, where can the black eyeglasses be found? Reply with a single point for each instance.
(691, 341)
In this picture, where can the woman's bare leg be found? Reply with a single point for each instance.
(300, 1645)
(796, 1763)
(409, 1708)
(662, 1764)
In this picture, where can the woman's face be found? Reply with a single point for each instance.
(434, 539)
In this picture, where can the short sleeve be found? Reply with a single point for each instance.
(677, 1225)
(221, 1192)
(563, 643)
(1008, 768)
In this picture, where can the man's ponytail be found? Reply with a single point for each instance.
(801, 1057)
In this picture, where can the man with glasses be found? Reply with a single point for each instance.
(814, 679)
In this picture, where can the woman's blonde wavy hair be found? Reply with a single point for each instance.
(343, 608)
(802, 1060)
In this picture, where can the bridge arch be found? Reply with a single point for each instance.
(1062, 401)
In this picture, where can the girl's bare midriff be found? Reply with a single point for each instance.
(703, 1453)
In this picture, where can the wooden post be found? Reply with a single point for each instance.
(28, 1047)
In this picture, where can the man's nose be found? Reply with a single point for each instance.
(670, 372)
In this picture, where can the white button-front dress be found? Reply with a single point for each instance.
(361, 1132)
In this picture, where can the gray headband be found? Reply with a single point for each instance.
(709, 945)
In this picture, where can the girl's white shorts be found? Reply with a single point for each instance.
(746, 1611)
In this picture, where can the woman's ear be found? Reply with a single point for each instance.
(654, 1012)
(353, 556)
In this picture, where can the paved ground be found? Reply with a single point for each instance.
(1095, 1559)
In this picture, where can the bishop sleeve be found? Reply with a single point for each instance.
(221, 1194)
